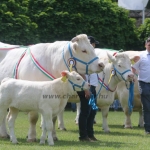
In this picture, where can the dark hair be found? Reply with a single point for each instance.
(148, 40)
(92, 40)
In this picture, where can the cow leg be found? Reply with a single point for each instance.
(141, 120)
(127, 123)
(78, 113)
(3, 130)
(11, 121)
(47, 127)
(33, 118)
(61, 125)
(105, 111)
(54, 131)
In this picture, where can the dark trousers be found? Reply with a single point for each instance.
(87, 115)
(145, 99)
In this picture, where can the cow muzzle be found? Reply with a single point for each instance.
(131, 77)
(101, 66)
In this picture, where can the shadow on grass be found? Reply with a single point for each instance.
(97, 144)
(68, 144)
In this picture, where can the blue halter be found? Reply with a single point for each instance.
(75, 85)
(121, 73)
(131, 97)
(76, 59)
(131, 90)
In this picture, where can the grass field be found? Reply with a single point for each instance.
(119, 138)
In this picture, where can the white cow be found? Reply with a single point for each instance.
(4, 48)
(122, 66)
(123, 94)
(45, 61)
(20, 95)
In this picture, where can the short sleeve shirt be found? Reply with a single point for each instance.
(143, 67)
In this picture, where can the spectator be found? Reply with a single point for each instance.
(87, 114)
(116, 105)
(143, 67)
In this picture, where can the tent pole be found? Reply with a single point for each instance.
(143, 15)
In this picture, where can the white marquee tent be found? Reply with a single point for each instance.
(134, 5)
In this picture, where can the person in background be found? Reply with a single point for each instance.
(116, 105)
(87, 114)
(73, 107)
(143, 67)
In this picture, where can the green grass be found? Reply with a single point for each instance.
(119, 138)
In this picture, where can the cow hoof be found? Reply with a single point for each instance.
(31, 140)
(140, 126)
(128, 127)
(15, 142)
(62, 129)
(42, 142)
(55, 138)
(5, 136)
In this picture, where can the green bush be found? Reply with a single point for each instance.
(16, 26)
(29, 21)
(144, 32)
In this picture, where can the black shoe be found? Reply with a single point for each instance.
(86, 139)
(93, 138)
(94, 122)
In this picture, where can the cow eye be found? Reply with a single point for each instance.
(119, 65)
(84, 51)
(78, 78)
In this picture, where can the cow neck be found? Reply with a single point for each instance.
(62, 89)
(110, 81)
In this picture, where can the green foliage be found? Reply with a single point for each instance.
(28, 22)
(16, 26)
(148, 5)
(144, 31)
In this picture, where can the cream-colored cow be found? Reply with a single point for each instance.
(47, 97)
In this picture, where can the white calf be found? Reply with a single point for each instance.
(47, 97)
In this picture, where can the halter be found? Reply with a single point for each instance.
(131, 89)
(121, 73)
(76, 59)
(75, 85)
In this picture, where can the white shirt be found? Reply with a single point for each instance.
(92, 78)
(143, 67)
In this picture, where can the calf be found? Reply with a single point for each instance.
(47, 97)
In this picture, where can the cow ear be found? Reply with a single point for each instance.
(64, 75)
(75, 39)
(110, 57)
(135, 59)
(75, 46)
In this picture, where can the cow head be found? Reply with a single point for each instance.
(83, 52)
(77, 82)
(121, 66)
